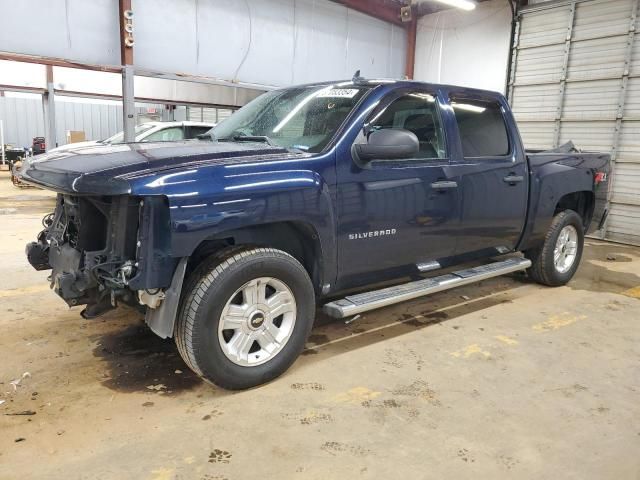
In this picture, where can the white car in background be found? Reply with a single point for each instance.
(149, 132)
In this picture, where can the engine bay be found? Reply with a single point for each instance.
(90, 244)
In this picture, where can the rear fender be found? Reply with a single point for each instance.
(553, 177)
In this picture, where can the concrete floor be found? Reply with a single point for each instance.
(502, 379)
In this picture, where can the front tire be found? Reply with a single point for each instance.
(556, 261)
(245, 317)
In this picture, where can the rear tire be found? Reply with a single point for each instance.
(556, 261)
(245, 317)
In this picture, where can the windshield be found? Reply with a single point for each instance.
(305, 118)
(119, 137)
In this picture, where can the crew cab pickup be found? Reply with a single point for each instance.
(311, 196)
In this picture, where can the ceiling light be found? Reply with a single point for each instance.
(463, 4)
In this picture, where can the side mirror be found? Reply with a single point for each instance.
(388, 144)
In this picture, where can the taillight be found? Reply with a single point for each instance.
(599, 177)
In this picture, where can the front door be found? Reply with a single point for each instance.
(393, 214)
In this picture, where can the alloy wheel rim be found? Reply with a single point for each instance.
(257, 321)
(566, 249)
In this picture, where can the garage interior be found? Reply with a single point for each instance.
(504, 378)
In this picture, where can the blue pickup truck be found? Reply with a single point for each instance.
(349, 195)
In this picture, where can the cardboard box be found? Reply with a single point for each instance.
(74, 136)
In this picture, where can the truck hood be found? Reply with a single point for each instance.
(107, 169)
(74, 146)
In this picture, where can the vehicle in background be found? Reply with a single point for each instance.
(148, 132)
(38, 145)
(304, 196)
(13, 154)
(13, 157)
(145, 132)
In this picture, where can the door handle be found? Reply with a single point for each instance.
(444, 185)
(513, 179)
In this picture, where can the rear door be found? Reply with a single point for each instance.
(393, 214)
(492, 171)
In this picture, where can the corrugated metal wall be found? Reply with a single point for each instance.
(576, 76)
(208, 114)
(96, 121)
(23, 119)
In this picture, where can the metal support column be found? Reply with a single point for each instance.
(128, 104)
(126, 58)
(49, 108)
(2, 136)
(2, 142)
(412, 33)
(514, 60)
(563, 77)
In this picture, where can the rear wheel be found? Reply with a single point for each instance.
(245, 317)
(556, 261)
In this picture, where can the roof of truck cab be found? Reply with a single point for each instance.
(400, 83)
(186, 123)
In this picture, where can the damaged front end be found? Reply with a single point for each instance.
(103, 250)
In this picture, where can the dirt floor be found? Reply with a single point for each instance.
(501, 379)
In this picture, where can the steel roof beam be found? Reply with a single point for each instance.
(386, 10)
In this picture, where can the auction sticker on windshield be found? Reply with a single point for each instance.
(339, 92)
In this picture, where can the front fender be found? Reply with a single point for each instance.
(204, 204)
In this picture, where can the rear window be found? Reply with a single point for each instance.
(482, 128)
(194, 131)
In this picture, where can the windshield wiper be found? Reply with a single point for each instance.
(206, 136)
(253, 138)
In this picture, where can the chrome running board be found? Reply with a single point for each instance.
(362, 302)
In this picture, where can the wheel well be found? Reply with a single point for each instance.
(580, 202)
(298, 239)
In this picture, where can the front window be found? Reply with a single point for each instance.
(418, 113)
(172, 134)
(305, 118)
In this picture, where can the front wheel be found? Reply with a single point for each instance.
(556, 261)
(245, 317)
